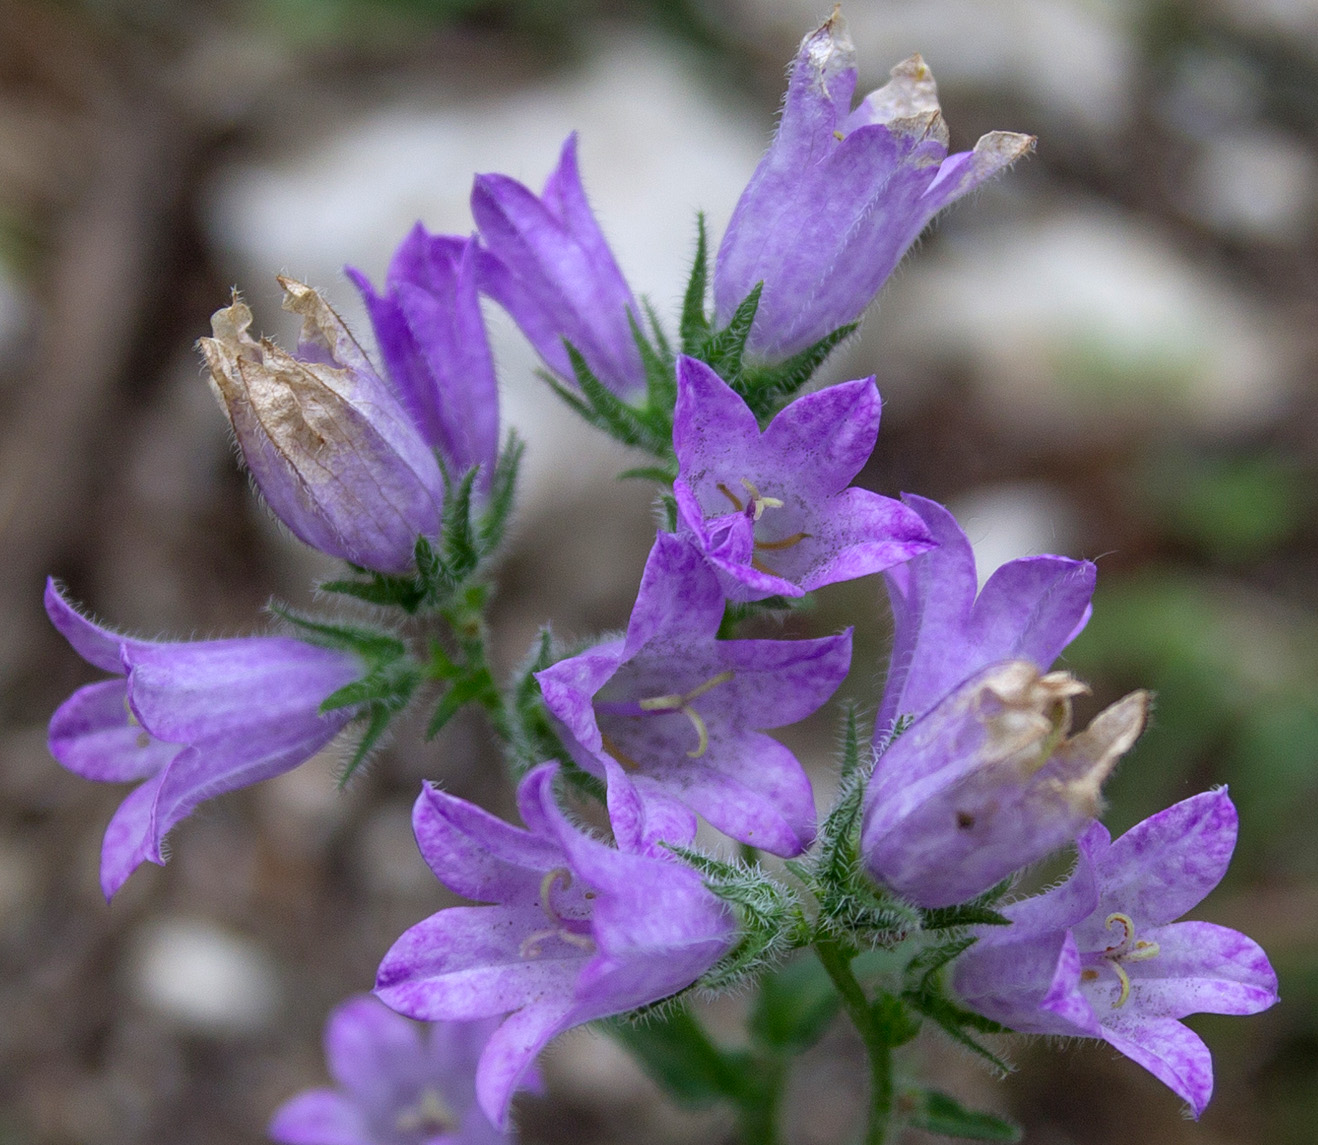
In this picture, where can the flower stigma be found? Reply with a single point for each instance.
(682, 703)
(562, 928)
(1129, 949)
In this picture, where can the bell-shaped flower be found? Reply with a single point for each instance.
(1029, 609)
(553, 272)
(1101, 955)
(399, 1083)
(677, 714)
(432, 338)
(575, 930)
(841, 195)
(330, 447)
(988, 782)
(188, 721)
(772, 511)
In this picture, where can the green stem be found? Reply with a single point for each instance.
(836, 959)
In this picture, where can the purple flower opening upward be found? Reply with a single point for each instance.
(334, 453)
(772, 511)
(1102, 956)
(1029, 609)
(577, 930)
(677, 715)
(553, 272)
(399, 1083)
(431, 335)
(988, 782)
(842, 194)
(191, 720)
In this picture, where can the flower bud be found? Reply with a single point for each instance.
(988, 782)
(327, 443)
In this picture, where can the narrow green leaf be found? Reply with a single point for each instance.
(649, 473)
(937, 1113)
(617, 417)
(694, 326)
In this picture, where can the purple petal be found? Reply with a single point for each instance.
(93, 735)
(270, 687)
(678, 597)
(97, 645)
(128, 841)
(371, 1050)
(1173, 1053)
(1200, 968)
(320, 1117)
(478, 855)
(512, 1049)
(1030, 609)
(475, 962)
(1164, 866)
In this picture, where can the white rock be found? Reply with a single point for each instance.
(204, 977)
(1258, 183)
(1084, 321)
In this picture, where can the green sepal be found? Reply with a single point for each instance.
(467, 683)
(531, 736)
(373, 645)
(772, 922)
(937, 1113)
(766, 389)
(674, 1049)
(722, 351)
(967, 914)
(493, 522)
(794, 1007)
(735, 611)
(694, 326)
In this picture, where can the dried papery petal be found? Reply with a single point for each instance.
(989, 782)
(329, 446)
(841, 195)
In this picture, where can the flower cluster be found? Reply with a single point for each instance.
(973, 771)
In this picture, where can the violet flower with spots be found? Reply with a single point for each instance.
(190, 721)
(677, 714)
(988, 782)
(1102, 955)
(772, 510)
(332, 450)
(554, 273)
(576, 930)
(1029, 609)
(842, 194)
(432, 338)
(399, 1083)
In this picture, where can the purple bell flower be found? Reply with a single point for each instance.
(988, 782)
(190, 720)
(1029, 609)
(576, 930)
(552, 270)
(332, 450)
(399, 1083)
(431, 335)
(841, 195)
(676, 714)
(1102, 956)
(773, 512)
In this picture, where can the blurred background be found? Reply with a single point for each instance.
(1108, 353)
